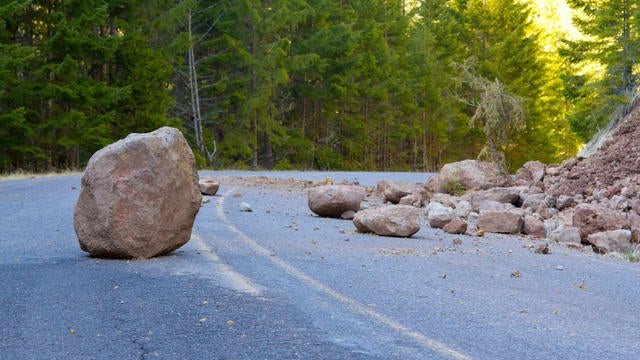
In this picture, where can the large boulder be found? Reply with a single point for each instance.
(139, 197)
(390, 220)
(335, 200)
(591, 219)
(467, 175)
(501, 221)
(396, 190)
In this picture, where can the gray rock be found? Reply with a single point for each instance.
(612, 240)
(467, 175)
(566, 234)
(439, 215)
(139, 197)
(244, 207)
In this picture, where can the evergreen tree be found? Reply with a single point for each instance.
(612, 29)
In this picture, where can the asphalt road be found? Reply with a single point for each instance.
(280, 283)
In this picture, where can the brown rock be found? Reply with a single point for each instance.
(390, 220)
(534, 227)
(334, 200)
(456, 226)
(591, 219)
(139, 197)
(532, 172)
(501, 221)
(414, 199)
(209, 187)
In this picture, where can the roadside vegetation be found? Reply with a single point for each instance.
(313, 84)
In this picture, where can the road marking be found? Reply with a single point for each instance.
(231, 278)
(351, 304)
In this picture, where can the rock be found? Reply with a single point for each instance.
(456, 226)
(498, 194)
(445, 199)
(209, 187)
(591, 219)
(465, 175)
(531, 173)
(334, 200)
(463, 209)
(533, 202)
(244, 207)
(501, 221)
(139, 197)
(348, 215)
(439, 215)
(534, 227)
(414, 199)
(390, 220)
(612, 240)
(543, 249)
(566, 234)
(382, 184)
(492, 205)
(564, 202)
(396, 190)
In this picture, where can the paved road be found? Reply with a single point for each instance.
(279, 283)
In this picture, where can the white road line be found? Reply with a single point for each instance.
(351, 304)
(230, 277)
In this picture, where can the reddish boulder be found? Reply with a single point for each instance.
(334, 200)
(209, 187)
(591, 219)
(139, 197)
(390, 220)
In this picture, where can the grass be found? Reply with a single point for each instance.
(21, 175)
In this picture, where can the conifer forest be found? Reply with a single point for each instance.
(379, 85)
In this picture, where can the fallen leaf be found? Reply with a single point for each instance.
(524, 312)
(373, 304)
(230, 322)
(72, 331)
(582, 287)
(516, 273)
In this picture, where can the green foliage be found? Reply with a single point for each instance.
(354, 84)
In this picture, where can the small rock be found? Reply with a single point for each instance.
(543, 249)
(243, 206)
(208, 187)
(516, 273)
(439, 215)
(456, 226)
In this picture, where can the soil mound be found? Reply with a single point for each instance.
(614, 166)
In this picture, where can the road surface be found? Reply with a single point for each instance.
(281, 283)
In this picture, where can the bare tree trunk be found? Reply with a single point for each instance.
(193, 87)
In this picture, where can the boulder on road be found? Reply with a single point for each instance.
(501, 221)
(396, 190)
(139, 197)
(566, 234)
(209, 186)
(390, 220)
(612, 240)
(467, 175)
(591, 219)
(335, 200)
